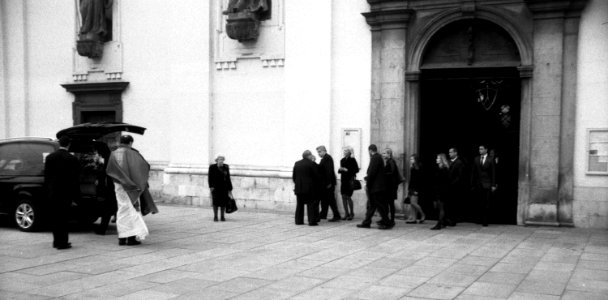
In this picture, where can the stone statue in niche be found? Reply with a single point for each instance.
(244, 16)
(96, 27)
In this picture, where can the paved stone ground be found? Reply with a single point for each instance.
(261, 255)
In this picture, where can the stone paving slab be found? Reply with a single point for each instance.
(263, 255)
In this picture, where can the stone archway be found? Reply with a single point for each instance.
(545, 33)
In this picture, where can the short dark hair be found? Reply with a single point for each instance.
(64, 141)
(454, 149)
(484, 146)
(126, 139)
(372, 147)
(306, 154)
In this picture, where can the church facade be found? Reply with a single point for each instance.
(261, 81)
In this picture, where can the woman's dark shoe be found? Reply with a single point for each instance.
(421, 221)
(132, 241)
(222, 219)
(122, 241)
(214, 219)
(350, 217)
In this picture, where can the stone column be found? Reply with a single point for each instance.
(552, 113)
(388, 28)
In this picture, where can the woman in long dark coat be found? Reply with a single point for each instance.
(440, 185)
(394, 179)
(220, 185)
(348, 170)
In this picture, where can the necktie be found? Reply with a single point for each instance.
(483, 159)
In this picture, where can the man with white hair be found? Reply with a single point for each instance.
(328, 185)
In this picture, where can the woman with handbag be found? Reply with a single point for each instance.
(348, 172)
(414, 188)
(220, 185)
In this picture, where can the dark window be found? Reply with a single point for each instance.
(23, 158)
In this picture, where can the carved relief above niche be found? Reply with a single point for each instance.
(268, 48)
(108, 66)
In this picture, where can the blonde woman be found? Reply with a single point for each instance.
(348, 171)
(440, 184)
(414, 188)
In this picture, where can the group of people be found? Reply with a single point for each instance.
(315, 184)
(451, 186)
(125, 170)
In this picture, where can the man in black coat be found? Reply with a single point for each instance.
(377, 188)
(456, 187)
(305, 178)
(328, 185)
(61, 176)
(484, 181)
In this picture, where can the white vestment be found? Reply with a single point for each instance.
(129, 221)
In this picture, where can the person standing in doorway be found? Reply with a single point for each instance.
(130, 172)
(305, 178)
(456, 188)
(328, 181)
(61, 177)
(484, 182)
(377, 188)
(393, 179)
(440, 186)
(220, 186)
(414, 189)
(348, 171)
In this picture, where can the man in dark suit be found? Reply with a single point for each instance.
(484, 182)
(377, 188)
(328, 185)
(453, 209)
(305, 177)
(61, 176)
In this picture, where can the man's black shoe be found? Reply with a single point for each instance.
(313, 224)
(383, 227)
(334, 219)
(363, 226)
(132, 241)
(122, 241)
(62, 247)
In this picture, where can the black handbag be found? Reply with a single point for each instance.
(356, 184)
(231, 207)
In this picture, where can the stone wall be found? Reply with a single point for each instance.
(190, 188)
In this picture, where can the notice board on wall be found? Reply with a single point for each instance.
(597, 162)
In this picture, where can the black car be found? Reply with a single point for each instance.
(22, 190)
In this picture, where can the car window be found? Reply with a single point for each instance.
(23, 158)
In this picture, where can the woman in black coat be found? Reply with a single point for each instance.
(414, 189)
(394, 179)
(348, 171)
(220, 185)
(440, 184)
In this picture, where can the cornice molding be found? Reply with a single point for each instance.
(96, 87)
(556, 8)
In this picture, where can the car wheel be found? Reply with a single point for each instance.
(26, 216)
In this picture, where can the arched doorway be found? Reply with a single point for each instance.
(470, 94)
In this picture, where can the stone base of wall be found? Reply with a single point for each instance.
(591, 207)
(252, 189)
